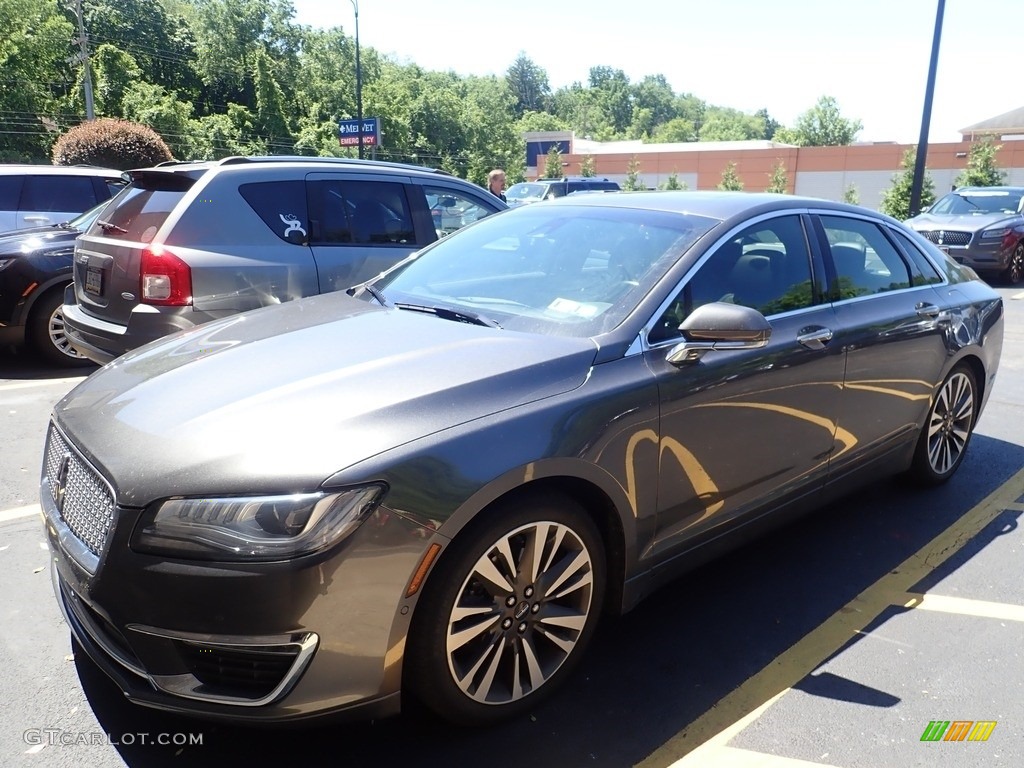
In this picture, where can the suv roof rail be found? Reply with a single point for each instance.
(240, 159)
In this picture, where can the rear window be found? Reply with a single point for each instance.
(139, 211)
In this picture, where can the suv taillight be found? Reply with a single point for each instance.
(164, 279)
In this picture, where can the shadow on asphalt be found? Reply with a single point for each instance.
(648, 674)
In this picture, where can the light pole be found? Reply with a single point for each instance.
(359, 82)
(917, 185)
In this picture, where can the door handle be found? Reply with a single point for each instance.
(815, 338)
(39, 219)
(925, 309)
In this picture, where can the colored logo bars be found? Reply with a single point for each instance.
(958, 730)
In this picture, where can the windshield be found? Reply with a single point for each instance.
(525, 191)
(978, 202)
(565, 270)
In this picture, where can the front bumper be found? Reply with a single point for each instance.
(272, 642)
(989, 255)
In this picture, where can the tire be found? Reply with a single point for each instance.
(45, 332)
(1014, 272)
(494, 634)
(947, 430)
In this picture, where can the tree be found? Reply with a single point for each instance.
(587, 166)
(678, 129)
(633, 181)
(981, 170)
(823, 126)
(730, 179)
(673, 182)
(778, 181)
(896, 199)
(851, 195)
(553, 163)
(114, 73)
(722, 124)
(112, 144)
(529, 84)
(771, 125)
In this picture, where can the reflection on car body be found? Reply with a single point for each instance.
(434, 487)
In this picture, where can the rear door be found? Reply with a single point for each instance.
(890, 320)
(359, 226)
(55, 198)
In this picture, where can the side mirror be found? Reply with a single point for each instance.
(719, 326)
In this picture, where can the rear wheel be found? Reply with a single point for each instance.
(45, 332)
(948, 428)
(508, 612)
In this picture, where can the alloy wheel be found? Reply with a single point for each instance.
(520, 612)
(58, 338)
(1015, 272)
(950, 423)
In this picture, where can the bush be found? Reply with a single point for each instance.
(111, 143)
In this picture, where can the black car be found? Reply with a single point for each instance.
(434, 485)
(35, 268)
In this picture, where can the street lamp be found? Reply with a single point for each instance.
(359, 82)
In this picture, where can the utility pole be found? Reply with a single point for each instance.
(926, 118)
(83, 42)
(359, 82)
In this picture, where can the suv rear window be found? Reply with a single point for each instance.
(139, 211)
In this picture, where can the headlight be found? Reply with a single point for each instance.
(254, 527)
(995, 232)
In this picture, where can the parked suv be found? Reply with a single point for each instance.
(546, 189)
(186, 243)
(982, 227)
(44, 195)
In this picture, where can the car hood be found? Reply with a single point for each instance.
(963, 223)
(34, 238)
(294, 393)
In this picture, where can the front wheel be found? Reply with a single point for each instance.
(948, 428)
(1015, 269)
(508, 612)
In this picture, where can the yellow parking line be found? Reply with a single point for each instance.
(39, 383)
(794, 664)
(17, 512)
(966, 607)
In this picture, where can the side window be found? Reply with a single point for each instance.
(451, 209)
(766, 266)
(282, 206)
(10, 191)
(866, 261)
(359, 213)
(58, 194)
(924, 273)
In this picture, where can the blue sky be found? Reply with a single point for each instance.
(872, 56)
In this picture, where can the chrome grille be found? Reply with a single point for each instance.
(946, 237)
(85, 501)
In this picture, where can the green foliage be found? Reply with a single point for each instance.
(678, 129)
(553, 163)
(981, 170)
(896, 199)
(587, 166)
(633, 181)
(778, 180)
(110, 143)
(823, 126)
(672, 182)
(723, 124)
(114, 73)
(730, 179)
(851, 195)
(529, 84)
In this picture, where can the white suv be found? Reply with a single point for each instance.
(43, 195)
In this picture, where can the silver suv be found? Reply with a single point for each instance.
(186, 243)
(44, 195)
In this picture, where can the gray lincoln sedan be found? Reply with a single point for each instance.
(432, 487)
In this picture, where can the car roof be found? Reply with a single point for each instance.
(997, 188)
(8, 169)
(380, 166)
(712, 203)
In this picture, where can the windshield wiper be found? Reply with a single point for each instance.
(107, 226)
(458, 315)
